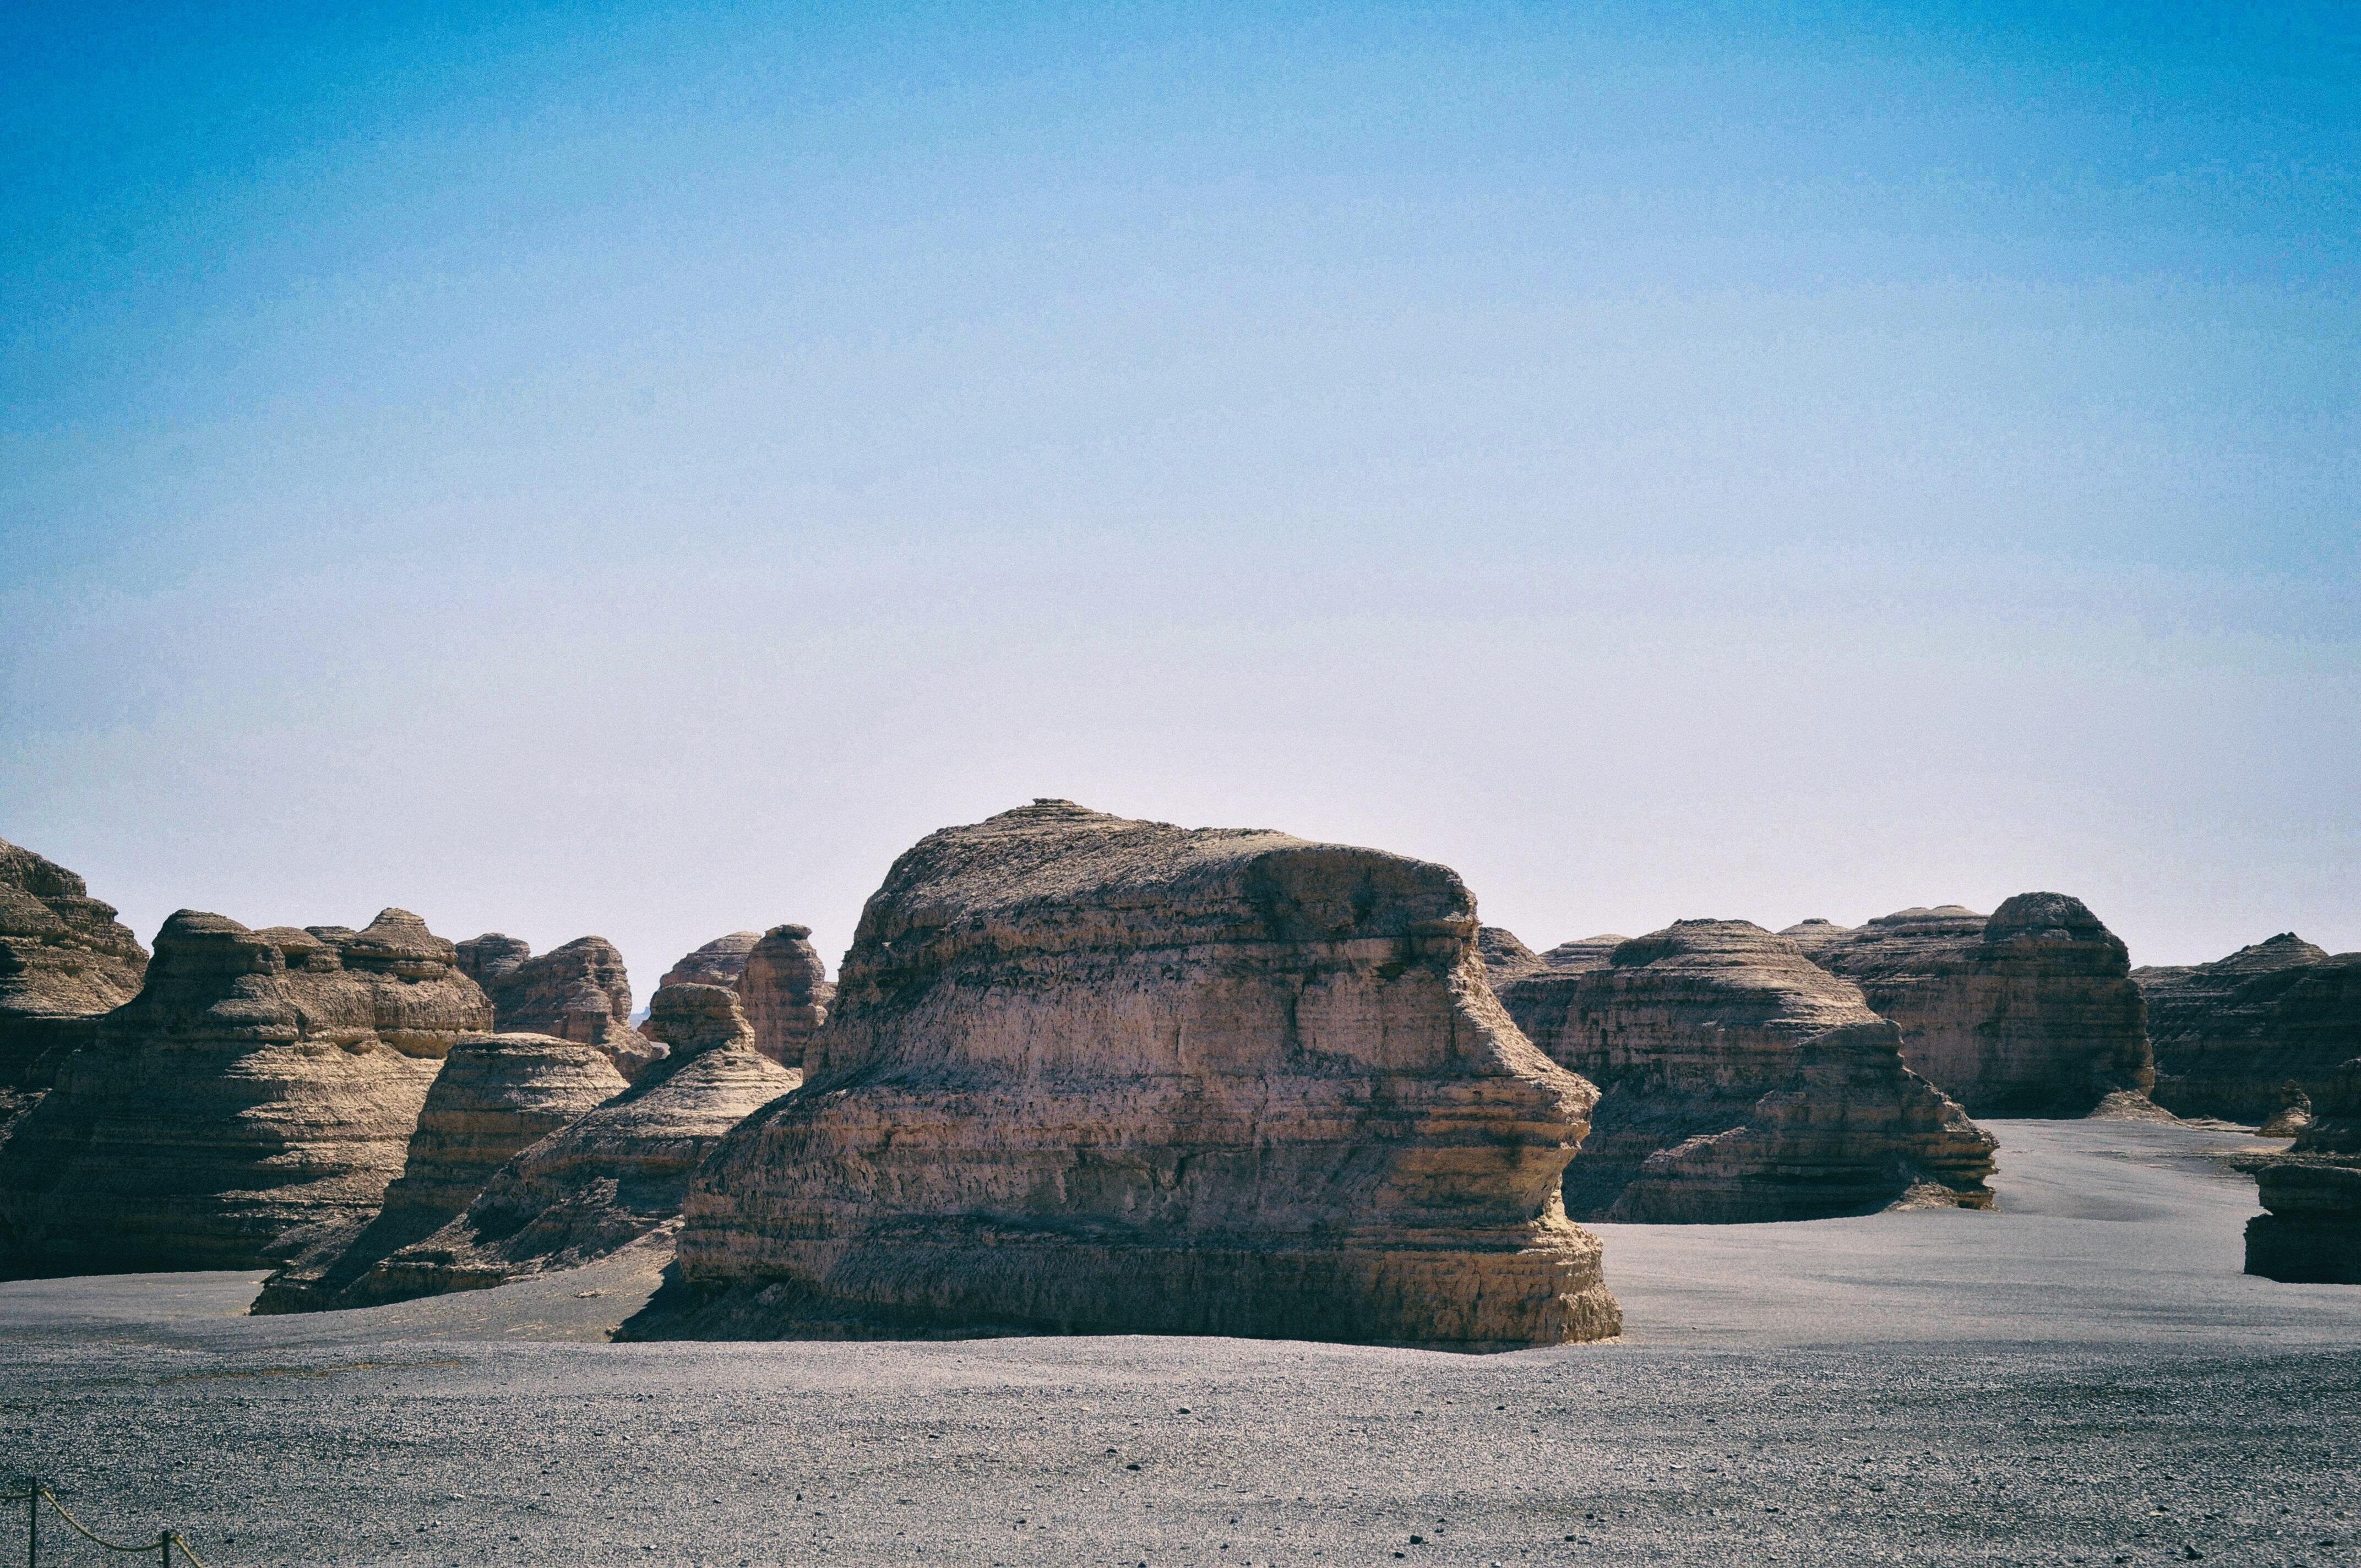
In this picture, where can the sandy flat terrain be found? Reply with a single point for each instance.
(2084, 1376)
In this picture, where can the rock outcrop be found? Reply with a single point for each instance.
(785, 992)
(1092, 1075)
(65, 962)
(253, 1100)
(496, 1096)
(580, 991)
(2311, 1232)
(2031, 1011)
(606, 1178)
(719, 962)
(2241, 1037)
(1738, 1082)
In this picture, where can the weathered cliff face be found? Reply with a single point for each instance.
(719, 962)
(65, 962)
(2243, 1037)
(1087, 1074)
(496, 1096)
(2030, 1013)
(2311, 1232)
(1505, 958)
(580, 991)
(1738, 1082)
(787, 993)
(257, 1096)
(607, 1178)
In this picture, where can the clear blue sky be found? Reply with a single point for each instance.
(634, 469)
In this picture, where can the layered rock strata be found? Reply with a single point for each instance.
(1738, 1082)
(2031, 1011)
(1505, 958)
(2243, 1037)
(580, 991)
(719, 962)
(607, 1178)
(65, 962)
(496, 1096)
(1092, 1075)
(2310, 1232)
(785, 992)
(255, 1099)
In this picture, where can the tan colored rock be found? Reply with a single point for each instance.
(786, 995)
(2310, 1232)
(496, 1096)
(2031, 1011)
(254, 1099)
(719, 962)
(65, 962)
(1738, 1082)
(1093, 1075)
(1505, 958)
(2237, 1038)
(607, 1178)
(580, 991)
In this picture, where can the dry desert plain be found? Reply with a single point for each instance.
(2084, 1376)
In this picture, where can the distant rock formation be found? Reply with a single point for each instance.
(785, 992)
(606, 1178)
(65, 962)
(719, 962)
(2235, 1038)
(1092, 1075)
(496, 1096)
(580, 991)
(2311, 1230)
(1505, 958)
(253, 1100)
(2030, 1013)
(1738, 1082)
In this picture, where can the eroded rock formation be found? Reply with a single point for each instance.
(1086, 1074)
(785, 992)
(580, 991)
(719, 962)
(496, 1096)
(2311, 1232)
(254, 1098)
(2245, 1035)
(65, 962)
(606, 1178)
(1740, 1081)
(1505, 958)
(2031, 1011)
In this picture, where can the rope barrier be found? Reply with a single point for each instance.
(163, 1545)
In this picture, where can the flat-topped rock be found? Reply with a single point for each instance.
(580, 991)
(2310, 1231)
(787, 993)
(252, 1102)
(719, 962)
(2030, 1012)
(65, 962)
(609, 1177)
(2244, 1036)
(1740, 1081)
(497, 1095)
(1092, 1075)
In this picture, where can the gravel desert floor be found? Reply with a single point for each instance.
(2084, 1377)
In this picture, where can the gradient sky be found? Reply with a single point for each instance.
(635, 469)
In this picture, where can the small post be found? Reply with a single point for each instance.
(32, 1521)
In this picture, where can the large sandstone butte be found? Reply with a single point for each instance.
(719, 962)
(2031, 1011)
(1738, 1082)
(496, 1096)
(786, 995)
(65, 962)
(1092, 1075)
(2311, 1232)
(607, 1178)
(2242, 1036)
(580, 991)
(254, 1098)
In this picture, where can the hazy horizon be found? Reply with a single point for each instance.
(609, 469)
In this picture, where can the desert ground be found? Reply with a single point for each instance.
(2084, 1377)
